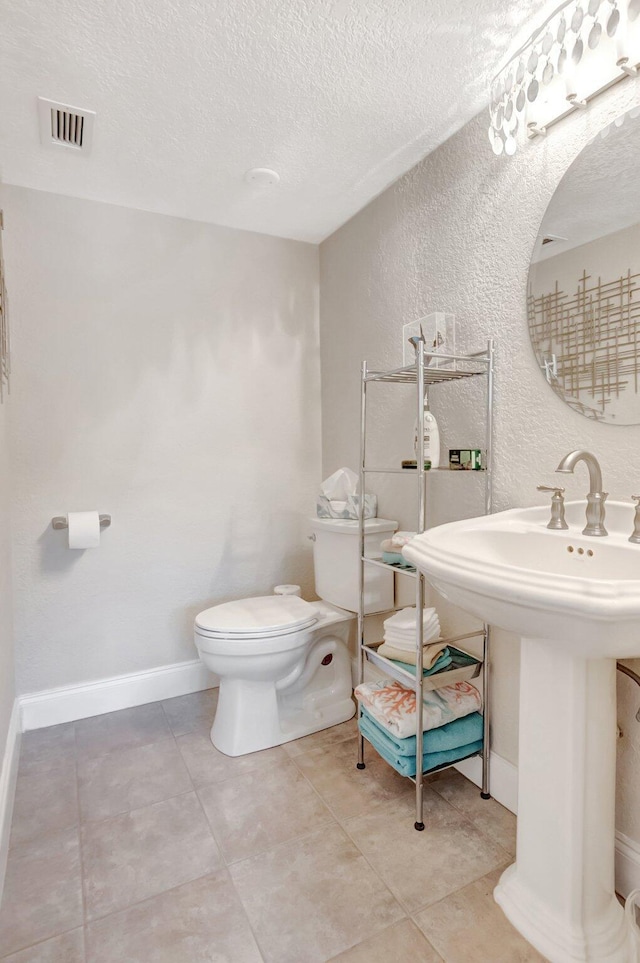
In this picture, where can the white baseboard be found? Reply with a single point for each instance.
(8, 776)
(503, 778)
(68, 703)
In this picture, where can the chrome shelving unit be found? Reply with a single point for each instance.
(422, 376)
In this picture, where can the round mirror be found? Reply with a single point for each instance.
(583, 298)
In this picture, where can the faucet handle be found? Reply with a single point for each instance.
(557, 521)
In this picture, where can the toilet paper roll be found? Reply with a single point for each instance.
(287, 590)
(84, 529)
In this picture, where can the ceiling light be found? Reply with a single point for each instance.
(582, 49)
(262, 177)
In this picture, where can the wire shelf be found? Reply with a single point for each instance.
(429, 682)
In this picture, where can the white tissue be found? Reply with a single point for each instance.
(340, 485)
(84, 529)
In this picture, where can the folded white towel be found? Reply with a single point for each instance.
(409, 644)
(406, 618)
(399, 539)
(411, 629)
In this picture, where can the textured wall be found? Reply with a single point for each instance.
(165, 372)
(6, 607)
(456, 233)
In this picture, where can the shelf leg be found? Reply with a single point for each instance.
(486, 746)
(361, 529)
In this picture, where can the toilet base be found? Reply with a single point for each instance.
(249, 717)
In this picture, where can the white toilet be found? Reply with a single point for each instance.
(283, 663)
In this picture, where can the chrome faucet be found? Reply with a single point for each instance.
(596, 497)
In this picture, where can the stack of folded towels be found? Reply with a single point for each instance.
(452, 723)
(392, 549)
(400, 640)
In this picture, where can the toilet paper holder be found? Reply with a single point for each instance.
(61, 522)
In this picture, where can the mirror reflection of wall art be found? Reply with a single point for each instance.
(583, 302)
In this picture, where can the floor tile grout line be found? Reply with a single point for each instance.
(223, 777)
(31, 946)
(83, 896)
(341, 821)
(443, 899)
(469, 882)
(335, 959)
(470, 818)
(136, 809)
(352, 840)
(147, 899)
(229, 863)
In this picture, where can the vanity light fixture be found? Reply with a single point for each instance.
(582, 49)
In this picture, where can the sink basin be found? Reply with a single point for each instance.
(575, 602)
(511, 570)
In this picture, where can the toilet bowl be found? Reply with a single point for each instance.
(283, 663)
(284, 669)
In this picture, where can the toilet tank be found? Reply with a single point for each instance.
(336, 560)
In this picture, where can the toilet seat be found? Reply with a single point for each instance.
(264, 617)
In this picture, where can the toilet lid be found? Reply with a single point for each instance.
(252, 618)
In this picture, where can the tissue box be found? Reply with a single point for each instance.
(325, 509)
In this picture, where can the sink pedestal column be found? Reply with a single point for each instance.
(560, 892)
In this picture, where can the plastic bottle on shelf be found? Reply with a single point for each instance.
(431, 439)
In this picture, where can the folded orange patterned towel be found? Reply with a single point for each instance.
(394, 705)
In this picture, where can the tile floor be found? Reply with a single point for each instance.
(135, 841)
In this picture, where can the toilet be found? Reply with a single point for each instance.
(284, 663)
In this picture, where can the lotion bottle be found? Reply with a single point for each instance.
(430, 440)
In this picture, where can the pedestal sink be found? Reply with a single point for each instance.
(575, 602)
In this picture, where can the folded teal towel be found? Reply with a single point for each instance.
(444, 659)
(395, 558)
(456, 740)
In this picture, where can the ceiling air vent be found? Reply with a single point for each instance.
(65, 126)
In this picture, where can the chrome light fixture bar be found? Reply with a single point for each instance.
(582, 49)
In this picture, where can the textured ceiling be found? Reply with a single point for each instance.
(599, 194)
(339, 96)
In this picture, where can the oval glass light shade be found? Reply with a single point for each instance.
(613, 22)
(633, 10)
(594, 6)
(578, 50)
(582, 304)
(562, 59)
(576, 19)
(520, 72)
(562, 30)
(547, 43)
(520, 100)
(594, 35)
(510, 145)
(497, 144)
(532, 62)
(533, 90)
(547, 73)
